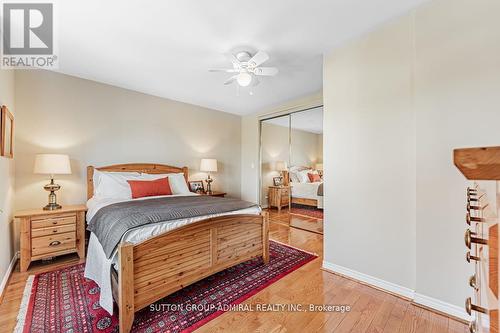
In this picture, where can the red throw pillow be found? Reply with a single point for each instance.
(314, 177)
(149, 188)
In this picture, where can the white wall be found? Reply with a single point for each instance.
(7, 227)
(98, 124)
(397, 101)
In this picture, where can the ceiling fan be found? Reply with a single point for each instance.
(247, 68)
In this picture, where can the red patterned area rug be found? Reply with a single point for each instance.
(306, 211)
(64, 301)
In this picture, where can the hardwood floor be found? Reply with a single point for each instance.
(372, 311)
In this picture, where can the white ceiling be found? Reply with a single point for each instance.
(165, 47)
(309, 121)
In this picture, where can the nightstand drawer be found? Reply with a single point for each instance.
(53, 244)
(285, 192)
(53, 230)
(53, 221)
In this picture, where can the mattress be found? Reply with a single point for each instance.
(98, 266)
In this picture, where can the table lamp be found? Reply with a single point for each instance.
(281, 167)
(52, 164)
(208, 165)
(319, 167)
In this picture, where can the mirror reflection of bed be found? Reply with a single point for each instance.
(292, 168)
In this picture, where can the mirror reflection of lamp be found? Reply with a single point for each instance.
(281, 167)
(208, 165)
(319, 167)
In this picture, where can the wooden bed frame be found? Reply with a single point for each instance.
(295, 200)
(161, 265)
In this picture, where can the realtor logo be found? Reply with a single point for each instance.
(28, 35)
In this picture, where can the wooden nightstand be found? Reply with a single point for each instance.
(279, 196)
(215, 194)
(46, 234)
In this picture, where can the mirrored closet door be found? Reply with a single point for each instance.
(292, 167)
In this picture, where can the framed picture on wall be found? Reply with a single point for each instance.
(196, 186)
(6, 132)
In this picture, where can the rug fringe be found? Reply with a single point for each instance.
(296, 248)
(23, 309)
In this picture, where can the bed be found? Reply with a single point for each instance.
(304, 192)
(142, 270)
(307, 194)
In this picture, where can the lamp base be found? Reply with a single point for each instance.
(52, 188)
(52, 206)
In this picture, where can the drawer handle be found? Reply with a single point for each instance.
(54, 243)
(54, 222)
(473, 282)
(471, 207)
(470, 257)
(470, 219)
(472, 327)
(54, 231)
(469, 239)
(469, 307)
(471, 190)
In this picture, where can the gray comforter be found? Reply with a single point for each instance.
(110, 223)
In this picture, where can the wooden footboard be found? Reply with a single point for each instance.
(164, 264)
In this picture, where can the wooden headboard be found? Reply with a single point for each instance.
(150, 168)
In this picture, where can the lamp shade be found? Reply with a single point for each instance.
(319, 166)
(280, 165)
(208, 165)
(52, 164)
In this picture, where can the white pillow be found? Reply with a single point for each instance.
(293, 177)
(113, 184)
(303, 177)
(176, 181)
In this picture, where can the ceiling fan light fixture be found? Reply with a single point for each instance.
(244, 79)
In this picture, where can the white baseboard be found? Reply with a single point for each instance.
(379, 283)
(450, 309)
(429, 302)
(8, 272)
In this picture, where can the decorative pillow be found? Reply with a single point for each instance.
(113, 184)
(149, 188)
(177, 182)
(314, 177)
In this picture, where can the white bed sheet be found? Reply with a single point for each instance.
(98, 266)
(307, 191)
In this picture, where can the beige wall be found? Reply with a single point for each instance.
(275, 142)
(98, 124)
(397, 101)
(370, 163)
(7, 227)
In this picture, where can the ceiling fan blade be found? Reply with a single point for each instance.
(230, 80)
(266, 71)
(259, 58)
(236, 63)
(225, 70)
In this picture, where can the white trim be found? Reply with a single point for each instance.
(379, 283)
(426, 301)
(5, 279)
(433, 303)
